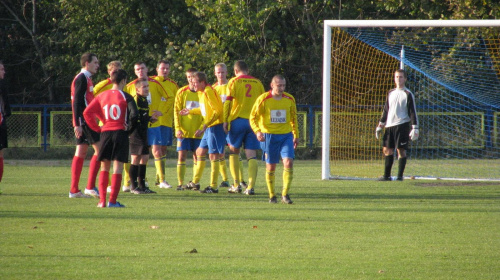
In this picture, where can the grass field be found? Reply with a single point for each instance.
(334, 230)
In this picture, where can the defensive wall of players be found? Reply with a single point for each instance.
(49, 125)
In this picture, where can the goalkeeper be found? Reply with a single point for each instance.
(399, 111)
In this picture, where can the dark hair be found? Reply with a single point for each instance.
(191, 70)
(118, 76)
(201, 76)
(162, 61)
(87, 57)
(241, 66)
(140, 63)
(278, 77)
(400, 71)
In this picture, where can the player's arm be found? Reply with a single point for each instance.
(293, 120)
(255, 114)
(79, 100)
(195, 111)
(6, 111)
(412, 109)
(294, 123)
(227, 107)
(133, 113)
(91, 112)
(226, 110)
(385, 111)
(177, 118)
(214, 106)
(412, 112)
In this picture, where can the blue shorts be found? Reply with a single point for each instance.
(188, 144)
(241, 132)
(160, 135)
(214, 139)
(276, 146)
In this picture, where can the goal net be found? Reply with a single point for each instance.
(453, 70)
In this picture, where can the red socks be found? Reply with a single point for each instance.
(93, 171)
(103, 185)
(116, 182)
(76, 171)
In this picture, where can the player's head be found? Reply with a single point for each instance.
(240, 67)
(400, 78)
(163, 68)
(119, 77)
(2, 70)
(142, 87)
(189, 76)
(221, 72)
(89, 62)
(278, 85)
(140, 70)
(113, 65)
(199, 81)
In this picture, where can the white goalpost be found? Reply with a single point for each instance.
(433, 63)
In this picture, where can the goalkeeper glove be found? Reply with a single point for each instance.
(378, 131)
(414, 133)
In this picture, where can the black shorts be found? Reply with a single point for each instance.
(89, 136)
(114, 146)
(397, 136)
(3, 137)
(138, 146)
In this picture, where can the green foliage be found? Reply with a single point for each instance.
(272, 36)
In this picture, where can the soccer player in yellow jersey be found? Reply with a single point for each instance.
(221, 87)
(171, 87)
(242, 92)
(186, 126)
(214, 137)
(156, 133)
(107, 84)
(274, 121)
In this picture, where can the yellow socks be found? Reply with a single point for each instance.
(270, 182)
(181, 172)
(223, 169)
(252, 172)
(234, 167)
(214, 172)
(200, 166)
(287, 180)
(126, 174)
(160, 166)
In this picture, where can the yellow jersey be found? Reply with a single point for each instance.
(275, 116)
(242, 91)
(102, 86)
(210, 107)
(171, 88)
(185, 98)
(221, 91)
(157, 98)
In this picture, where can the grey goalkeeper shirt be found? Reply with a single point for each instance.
(399, 108)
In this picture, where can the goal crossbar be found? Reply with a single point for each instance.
(329, 24)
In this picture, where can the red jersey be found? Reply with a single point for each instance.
(114, 108)
(82, 93)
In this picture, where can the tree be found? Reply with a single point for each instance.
(24, 45)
